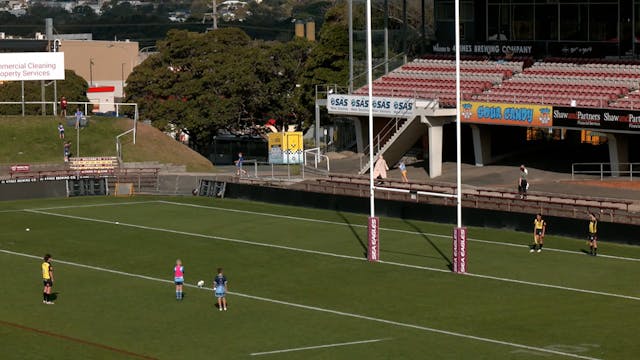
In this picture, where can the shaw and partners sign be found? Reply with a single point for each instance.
(594, 118)
(31, 66)
(352, 104)
(506, 114)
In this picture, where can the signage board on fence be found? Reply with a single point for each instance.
(460, 250)
(286, 148)
(31, 66)
(505, 114)
(592, 118)
(359, 105)
(373, 249)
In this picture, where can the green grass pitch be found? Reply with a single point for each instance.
(300, 287)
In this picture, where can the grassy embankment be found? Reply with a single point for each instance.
(34, 139)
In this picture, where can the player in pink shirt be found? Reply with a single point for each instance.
(178, 278)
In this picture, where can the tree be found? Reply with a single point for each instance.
(328, 61)
(73, 87)
(202, 83)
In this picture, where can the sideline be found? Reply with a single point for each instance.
(314, 308)
(317, 252)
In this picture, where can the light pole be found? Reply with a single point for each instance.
(122, 77)
(90, 72)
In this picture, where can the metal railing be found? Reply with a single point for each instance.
(380, 69)
(382, 138)
(605, 169)
(318, 157)
(267, 171)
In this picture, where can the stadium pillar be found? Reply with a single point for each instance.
(357, 125)
(618, 153)
(481, 144)
(435, 150)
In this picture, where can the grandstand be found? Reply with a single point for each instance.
(598, 84)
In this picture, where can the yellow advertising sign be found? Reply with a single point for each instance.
(286, 148)
(506, 114)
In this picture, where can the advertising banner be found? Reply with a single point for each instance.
(359, 105)
(505, 114)
(20, 168)
(460, 250)
(31, 66)
(600, 119)
(373, 251)
(286, 148)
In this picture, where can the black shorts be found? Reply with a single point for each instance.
(538, 231)
(47, 282)
(523, 186)
(593, 237)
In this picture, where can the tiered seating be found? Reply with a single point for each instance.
(603, 84)
(434, 79)
(563, 83)
(631, 102)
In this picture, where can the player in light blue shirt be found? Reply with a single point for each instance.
(220, 289)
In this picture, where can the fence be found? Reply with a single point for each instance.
(605, 169)
(317, 158)
(264, 170)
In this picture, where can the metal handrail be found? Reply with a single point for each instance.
(385, 134)
(318, 157)
(603, 169)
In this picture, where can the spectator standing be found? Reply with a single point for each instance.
(63, 106)
(403, 171)
(67, 151)
(78, 117)
(380, 168)
(239, 162)
(523, 185)
(61, 130)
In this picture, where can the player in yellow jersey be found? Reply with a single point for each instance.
(539, 229)
(593, 234)
(47, 279)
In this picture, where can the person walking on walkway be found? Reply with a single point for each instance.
(523, 185)
(403, 171)
(380, 168)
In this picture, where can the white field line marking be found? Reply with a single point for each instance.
(385, 229)
(316, 252)
(318, 347)
(314, 308)
(82, 206)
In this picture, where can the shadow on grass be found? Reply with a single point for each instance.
(53, 296)
(354, 232)
(434, 246)
(585, 251)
